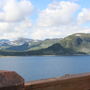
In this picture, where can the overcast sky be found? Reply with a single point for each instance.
(42, 19)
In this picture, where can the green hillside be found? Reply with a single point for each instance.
(76, 44)
(79, 42)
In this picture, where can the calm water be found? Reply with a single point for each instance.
(41, 67)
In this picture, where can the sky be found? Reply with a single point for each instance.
(43, 19)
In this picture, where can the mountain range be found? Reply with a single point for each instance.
(75, 44)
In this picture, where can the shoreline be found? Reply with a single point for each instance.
(37, 55)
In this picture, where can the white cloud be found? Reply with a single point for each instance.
(15, 30)
(14, 18)
(57, 13)
(84, 16)
(13, 10)
(58, 32)
(45, 33)
(74, 0)
(55, 21)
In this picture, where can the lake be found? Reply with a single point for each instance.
(42, 67)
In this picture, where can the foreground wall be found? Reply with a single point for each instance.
(12, 81)
(67, 82)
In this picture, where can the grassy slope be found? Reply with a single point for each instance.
(79, 42)
(73, 44)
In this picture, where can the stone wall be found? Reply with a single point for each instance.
(12, 81)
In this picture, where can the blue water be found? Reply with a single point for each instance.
(41, 67)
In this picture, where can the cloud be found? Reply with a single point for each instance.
(58, 32)
(10, 30)
(84, 16)
(45, 33)
(15, 18)
(57, 13)
(13, 10)
(15, 30)
(56, 20)
(74, 0)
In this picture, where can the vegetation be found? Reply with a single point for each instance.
(76, 44)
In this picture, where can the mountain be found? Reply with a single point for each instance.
(75, 44)
(79, 42)
(23, 44)
(4, 43)
(21, 41)
(55, 49)
(44, 44)
(22, 47)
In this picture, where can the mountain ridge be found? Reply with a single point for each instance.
(75, 44)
